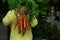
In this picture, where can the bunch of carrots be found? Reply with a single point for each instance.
(22, 21)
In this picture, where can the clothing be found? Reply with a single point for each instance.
(10, 19)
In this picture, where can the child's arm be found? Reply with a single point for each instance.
(9, 17)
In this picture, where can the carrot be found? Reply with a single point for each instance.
(20, 23)
(16, 24)
(24, 22)
(27, 24)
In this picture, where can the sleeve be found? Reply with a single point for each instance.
(9, 17)
(34, 22)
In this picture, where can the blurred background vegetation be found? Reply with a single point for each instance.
(44, 30)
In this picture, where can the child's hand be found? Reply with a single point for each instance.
(21, 11)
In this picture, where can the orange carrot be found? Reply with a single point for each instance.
(24, 22)
(16, 24)
(20, 23)
(27, 24)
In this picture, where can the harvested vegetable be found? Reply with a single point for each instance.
(22, 21)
